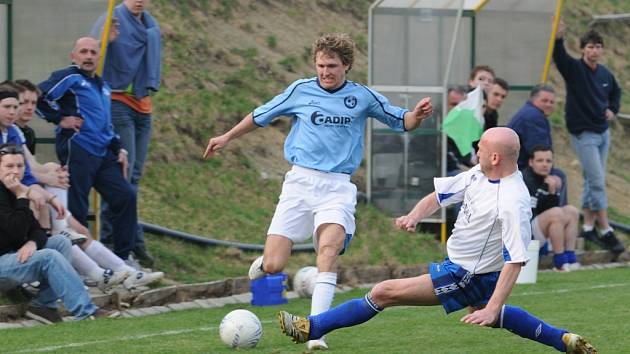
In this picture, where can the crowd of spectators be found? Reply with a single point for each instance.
(45, 240)
(592, 101)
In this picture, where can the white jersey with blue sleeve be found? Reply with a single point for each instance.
(327, 132)
(493, 226)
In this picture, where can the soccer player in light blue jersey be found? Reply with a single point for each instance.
(325, 146)
(485, 253)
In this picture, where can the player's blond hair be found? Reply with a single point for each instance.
(336, 43)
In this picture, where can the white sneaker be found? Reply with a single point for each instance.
(74, 237)
(109, 278)
(574, 266)
(140, 278)
(255, 270)
(130, 261)
(317, 344)
(565, 268)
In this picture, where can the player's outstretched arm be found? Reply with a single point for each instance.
(490, 314)
(425, 207)
(217, 143)
(423, 110)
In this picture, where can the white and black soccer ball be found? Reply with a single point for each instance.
(240, 329)
(304, 281)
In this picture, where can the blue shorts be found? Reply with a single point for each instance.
(457, 288)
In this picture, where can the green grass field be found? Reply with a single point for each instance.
(592, 302)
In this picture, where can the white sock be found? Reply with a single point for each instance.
(324, 292)
(62, 196)
(106, 258)
(587, 228)
(60, 193)
(57, 224)
(85, 265)
(604, 231)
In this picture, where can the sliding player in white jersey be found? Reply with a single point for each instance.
(485, 253)
(325, 146)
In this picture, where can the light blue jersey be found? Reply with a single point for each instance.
(327, 131)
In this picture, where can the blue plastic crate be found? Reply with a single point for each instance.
(269, 290)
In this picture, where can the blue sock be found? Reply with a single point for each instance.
(521, 322)
(350, 313)
(559, 259)
(544, 249)
(570, 255)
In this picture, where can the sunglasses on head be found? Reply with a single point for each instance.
(11, 150)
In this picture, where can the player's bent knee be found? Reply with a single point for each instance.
(383, 293)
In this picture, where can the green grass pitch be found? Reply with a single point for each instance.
(594, 303)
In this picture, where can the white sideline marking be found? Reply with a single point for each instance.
(561, 291)
(136, 337)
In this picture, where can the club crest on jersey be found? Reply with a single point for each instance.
(318, 118)
(350, 101)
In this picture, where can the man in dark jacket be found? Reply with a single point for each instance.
(550, 220)
(531, 123)
(593, 99)
(28, 255)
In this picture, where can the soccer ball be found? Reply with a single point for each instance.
(240, 329)
(304, 281)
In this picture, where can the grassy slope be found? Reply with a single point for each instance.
(221, 59)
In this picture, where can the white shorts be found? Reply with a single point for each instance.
(537, 233)
(311, 198)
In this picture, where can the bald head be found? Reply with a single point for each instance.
(504, 141)
(498, 151)
(85, 41)
(85, 54)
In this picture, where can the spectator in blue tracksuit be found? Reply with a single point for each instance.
(593, 99)
(132, 69)
(78, 101)
(531, 123)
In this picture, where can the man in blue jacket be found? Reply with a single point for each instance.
(78, 101)
(593, 98)
(132, 69)
(531, 123)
